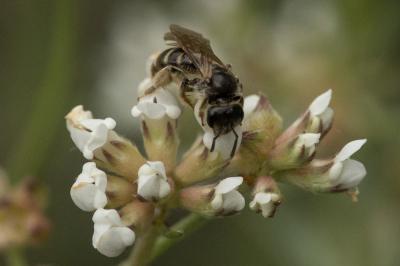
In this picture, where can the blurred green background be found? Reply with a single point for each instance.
(57, 54)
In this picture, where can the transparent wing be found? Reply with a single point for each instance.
(195, 46)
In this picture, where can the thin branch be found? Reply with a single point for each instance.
(187, 225)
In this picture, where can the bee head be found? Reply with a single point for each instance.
(223, 118)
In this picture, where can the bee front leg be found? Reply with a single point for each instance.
(160, 79)
(186, 91)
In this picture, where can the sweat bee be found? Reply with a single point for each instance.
(206, 84)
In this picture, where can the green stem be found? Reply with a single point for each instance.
(14, 257)
(140, 255)
(49, 101)
(187, 225)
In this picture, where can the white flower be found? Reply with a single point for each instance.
(88, 191)
(265, 202)
(110, 236)
(250, 104)
(346, 173)
(152, 181)
(319, 110)
(156, 105)
(226, 197)
(224, 144)
(308, 141)
(87, 133)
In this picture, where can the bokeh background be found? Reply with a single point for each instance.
(57, 54)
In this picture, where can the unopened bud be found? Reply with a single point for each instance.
(294, 153)
(261, 126)
(137, 214)
(266, 196)
(214, 200)
(119, 191)
(199, 164)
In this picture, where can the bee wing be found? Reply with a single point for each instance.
(195, 46)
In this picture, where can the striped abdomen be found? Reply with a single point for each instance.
(175, 57)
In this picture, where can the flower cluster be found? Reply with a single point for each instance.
(22, 220)
(130, 192)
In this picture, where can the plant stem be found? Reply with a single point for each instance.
(187, 225)
(14, 257)
(40, 128)
(140, 255)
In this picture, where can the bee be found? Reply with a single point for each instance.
(206, 84)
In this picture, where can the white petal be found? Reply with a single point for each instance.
(308, 139)
(217, 201)
(263, 197)
(228, 184)
(349, 149)
(165, 189)
(320, 103)
(151, 110)
(88, 191)
(352, 174)
(88, 134)
(334, 173)
(158, 167)
(114, 241)
(250, 103)
(149, 186)
(267, 209)
(108, 217)
(83, 195)
(224, 143)
(173, 111)
(264, 201)
(157, 105)
(77, 114)
(233, 201)
(326, 118)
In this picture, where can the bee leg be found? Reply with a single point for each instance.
(202, 111)
(184, 91)
(160, 79)
(235, 143)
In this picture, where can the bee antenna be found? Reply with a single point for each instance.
(213, 142)
(235, 143)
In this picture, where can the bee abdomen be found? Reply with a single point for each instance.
(173, 57)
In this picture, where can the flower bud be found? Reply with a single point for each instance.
(119, 191)
(317, 119)
(294, 153)
(334, 175)
(214, 200)
(153, 184)
(22, 220)
(266, 196)
(199, 164)
(137, 214)
(261, 126)
(88, 191)
(110, 236)
(159, 113)
(120, 156)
